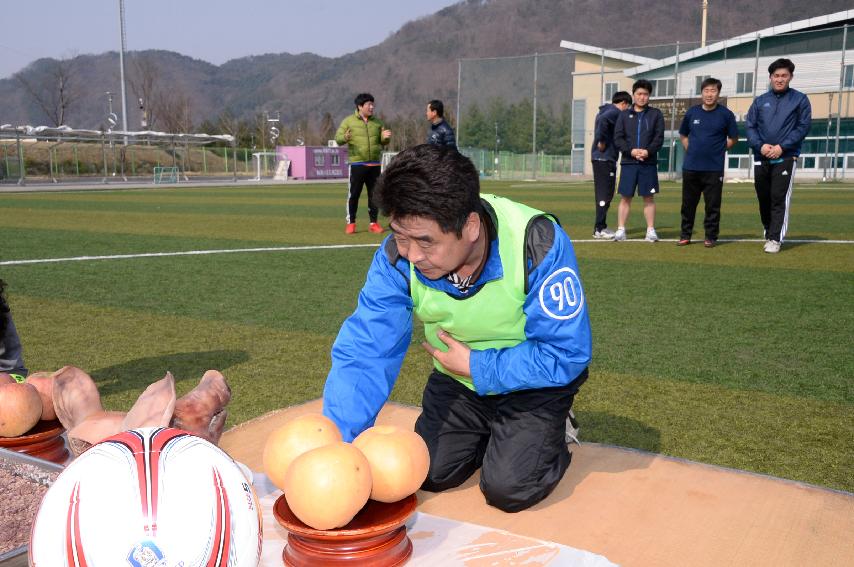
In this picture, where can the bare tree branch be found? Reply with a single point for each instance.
(52, 87)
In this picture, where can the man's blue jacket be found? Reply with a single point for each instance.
(368, 353)
(779, 118)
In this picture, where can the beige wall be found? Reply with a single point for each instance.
(587, 86)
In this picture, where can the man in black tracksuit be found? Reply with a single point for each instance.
(777, 123)
(638, 134)
(604, 158)
(441, 133)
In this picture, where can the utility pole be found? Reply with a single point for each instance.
(703, 28)
(122, 68)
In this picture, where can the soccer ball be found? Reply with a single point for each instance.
(149, 497)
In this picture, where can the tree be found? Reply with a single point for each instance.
(51, 84)
(175, 112)
(327, 128)
(144, 79)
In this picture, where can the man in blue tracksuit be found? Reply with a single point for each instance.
(604, 158)
(638, 134)
(496, 285)
(777, 123)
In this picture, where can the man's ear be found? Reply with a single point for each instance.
(472, 228)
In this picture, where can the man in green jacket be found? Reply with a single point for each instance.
(365, 136)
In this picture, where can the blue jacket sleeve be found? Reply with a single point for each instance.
(620, 135)
(802, 125)
(369, 350)
(752, 128)
(558, 343)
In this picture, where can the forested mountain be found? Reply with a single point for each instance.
(418, 62)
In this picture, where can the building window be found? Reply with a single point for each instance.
(336, 159)
(808, 163)
(848, 77)
(698, 82)
(610, 90)
(319, 159)
(663, 87)
(744, 82)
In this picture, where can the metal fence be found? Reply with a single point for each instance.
(52, 160)
(516, 108)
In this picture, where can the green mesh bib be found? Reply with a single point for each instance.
(493, 317)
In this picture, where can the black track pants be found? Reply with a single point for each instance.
(604, 183)
(362, 175)
(710, 185)
(517, 439)
(774, 183)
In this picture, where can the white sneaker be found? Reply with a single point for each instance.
(572, 429)
(620, 234)
(651, 235)
(772, 247)
(603, 234)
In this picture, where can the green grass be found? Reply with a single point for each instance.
(726, 356)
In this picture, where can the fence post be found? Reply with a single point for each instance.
(459, 86)
(839, 102)
(76, 161)
(22, 166)
(671, 158)
(534, 135)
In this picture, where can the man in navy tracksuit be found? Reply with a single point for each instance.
(777, 123)
(638, 134)
(604, 158)
(707, 132)
(441, 133)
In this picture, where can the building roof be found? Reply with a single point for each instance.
(609, 53)
(800, 25)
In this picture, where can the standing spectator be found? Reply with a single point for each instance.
(777, 123)
(604, 157)
(11, 353)
(441, 133)
(707, 132)
(638, 134)
(365, 136)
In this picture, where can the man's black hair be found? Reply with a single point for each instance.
(362, 98)
(432, 182)
(437, 107)
(621, 96)
(642, 84)
(711, 82)
(781, 63)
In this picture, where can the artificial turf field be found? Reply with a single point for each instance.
(727, 355)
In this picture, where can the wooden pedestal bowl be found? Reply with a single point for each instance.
(44, 441)
(376, 536)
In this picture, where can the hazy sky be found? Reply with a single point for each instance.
(212, 30)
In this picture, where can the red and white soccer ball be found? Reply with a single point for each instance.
(149, 497)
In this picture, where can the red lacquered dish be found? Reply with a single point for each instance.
(376, 536)
(43, 441)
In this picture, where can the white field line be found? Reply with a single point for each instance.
(335, 247)
(788, 240)
(183, 253)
